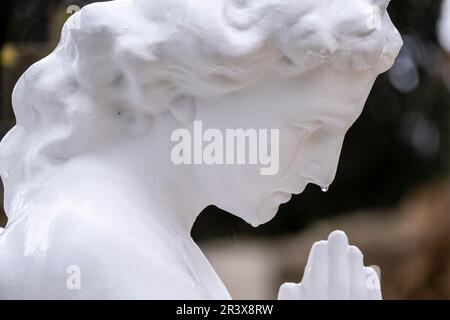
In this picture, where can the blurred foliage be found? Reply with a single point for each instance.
(400, 141)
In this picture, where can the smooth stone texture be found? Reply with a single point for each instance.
(97, 209)
(335, 271)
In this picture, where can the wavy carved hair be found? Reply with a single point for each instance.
(119, 63)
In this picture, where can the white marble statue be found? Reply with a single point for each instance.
(443, 27)
(98, 208)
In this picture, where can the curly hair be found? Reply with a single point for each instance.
(126, 61)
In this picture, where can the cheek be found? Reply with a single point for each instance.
(228, 187)
(287, 157)
(292, 147)
(214, 180)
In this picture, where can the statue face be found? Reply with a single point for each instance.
(312, 113)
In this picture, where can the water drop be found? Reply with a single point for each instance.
(325, 189)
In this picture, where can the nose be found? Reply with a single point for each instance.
(323, 160)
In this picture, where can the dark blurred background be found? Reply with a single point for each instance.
(391, 193)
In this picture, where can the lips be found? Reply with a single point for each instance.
(296, 186)
(282, 196)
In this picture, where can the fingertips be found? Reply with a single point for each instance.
(358, 286)
(290, 291)
(373, 284)
(318, 278)
(339, 268)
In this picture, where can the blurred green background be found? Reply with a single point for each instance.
(396, 153)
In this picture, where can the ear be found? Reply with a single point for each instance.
(308, 43)
(183, 109)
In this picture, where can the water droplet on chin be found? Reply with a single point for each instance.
(325, 189)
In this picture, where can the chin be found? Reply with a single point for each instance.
(256, 218)
(263, 217)
(267, 211)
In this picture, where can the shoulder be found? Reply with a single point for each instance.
(114, 256)
(117, 260)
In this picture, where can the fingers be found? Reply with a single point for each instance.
(315, 280)
(339, 266)
(373, 284)
(358, 286)
(290, 291)
(335, 271)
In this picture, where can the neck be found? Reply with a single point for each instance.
(148, 182)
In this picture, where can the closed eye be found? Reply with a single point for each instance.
(308, 125)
